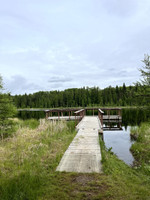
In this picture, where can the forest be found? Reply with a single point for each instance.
(137, 95)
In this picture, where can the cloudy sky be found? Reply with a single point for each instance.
(59, 44)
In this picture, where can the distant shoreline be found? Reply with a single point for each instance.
(44, 109)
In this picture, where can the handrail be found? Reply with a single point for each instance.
(100, 111)
(100, 116)
(81, 112)
(78, 111)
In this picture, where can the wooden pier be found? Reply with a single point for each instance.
(77, 114)
(84, 154)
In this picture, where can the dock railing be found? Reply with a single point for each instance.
(100, 116)
(79, 114)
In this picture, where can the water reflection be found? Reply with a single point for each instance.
(31, 114)
(130, 117)
(120, 142)
(133, 117)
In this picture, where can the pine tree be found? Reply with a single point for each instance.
(145, 72)
(7, 111)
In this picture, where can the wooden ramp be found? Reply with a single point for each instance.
(83, 155)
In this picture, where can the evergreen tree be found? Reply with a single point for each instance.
(7, 111)
(110, 96)
(145, 71)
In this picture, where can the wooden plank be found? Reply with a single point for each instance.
(112, 117)
(63, 118)
(83, 155)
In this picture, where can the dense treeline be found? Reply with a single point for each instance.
(137, 95)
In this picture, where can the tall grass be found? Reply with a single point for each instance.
(29, 123)
(141, 148)
(28, 159)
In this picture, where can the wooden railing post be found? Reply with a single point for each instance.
(79, 115)
(100, 114)
(119, 112)
(75, 119)
(69, 115)
(47, 114)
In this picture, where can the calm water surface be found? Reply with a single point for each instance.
(120, 143)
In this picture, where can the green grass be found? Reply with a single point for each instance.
(134, 132)
(29, 159)
(29, 123)
(141, 148)
(126, 182)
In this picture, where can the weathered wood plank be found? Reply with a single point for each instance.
(83, 155)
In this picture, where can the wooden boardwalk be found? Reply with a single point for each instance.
(84, 154)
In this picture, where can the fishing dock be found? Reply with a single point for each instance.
(84, 154)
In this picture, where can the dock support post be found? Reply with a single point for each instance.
(75, 120)
(69, 115)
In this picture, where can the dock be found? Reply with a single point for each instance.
(83, 154)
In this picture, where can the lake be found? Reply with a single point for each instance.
(119, 140)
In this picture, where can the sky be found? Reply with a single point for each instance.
(58, 44)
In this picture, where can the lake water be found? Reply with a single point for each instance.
(119, 141)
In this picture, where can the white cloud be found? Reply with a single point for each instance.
(19, 84)
(48, 45)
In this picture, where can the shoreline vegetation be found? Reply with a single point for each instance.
(122, 107)
(30, 156)
(141, 148)
(123, 96)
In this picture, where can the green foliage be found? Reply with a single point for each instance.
(126, 182)
(7, 111)
(134, 132)
(30, 158)
(145, 71)
(83, 97)
(28, 169)
(141, 148)
(30, 123)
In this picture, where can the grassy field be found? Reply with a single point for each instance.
(28, 161)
